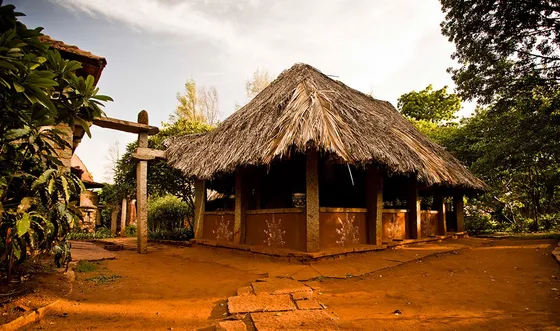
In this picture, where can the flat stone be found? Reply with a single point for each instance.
(258, 303)
(245, 290)
(294, 320)
(308, 304)
(87, 251)
(231, 326)
(302, 295)
(279, 286)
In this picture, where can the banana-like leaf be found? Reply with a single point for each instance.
(65, 188)
(23, 224)
(43, 178)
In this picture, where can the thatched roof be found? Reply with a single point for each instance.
(303, 105)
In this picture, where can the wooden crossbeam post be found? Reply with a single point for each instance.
(459, 212)
(240, 207)
(374, 204)
(114, 215)
(439, 203)
(123, 217)
(199, 207)
(312, 200)
(414, 221)
(142, 188)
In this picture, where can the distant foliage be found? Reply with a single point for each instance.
(181, 234)
(130, 230)
(198, 104)
(430, 105)
(100, 233)
(261, 79)
(167, 213)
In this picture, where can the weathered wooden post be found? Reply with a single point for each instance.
(199, 207)
(240, 207)
(312, 200)
(439, 203)
(459, 212)
(374, 205)
(414, 223)
(123, 217)
(114, 215)
(142, 188)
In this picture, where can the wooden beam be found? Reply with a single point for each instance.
(312, 200)
(147, 154)
(126, 126)
(414, 228)
(459, 212)
(199, 207)
(241, 199)
(123, 217)
(142, 189)
(114, 215)
(374, 205)
(439, 203)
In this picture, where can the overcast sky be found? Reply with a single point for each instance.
(153, 46)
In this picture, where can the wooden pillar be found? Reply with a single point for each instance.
(123, 217)
(312, 200)
(240, 207)
(114, 215)
(459, 212)
(199, 207)
(142, 189)
(414, 223)
(374, 205)
(439, 204)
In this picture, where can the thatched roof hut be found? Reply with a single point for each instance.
(302, 107)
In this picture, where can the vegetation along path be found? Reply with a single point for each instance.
(464, 284)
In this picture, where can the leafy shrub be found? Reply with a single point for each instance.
(86, 266)
(100, 233)
(130, 230)
(166, 213)
(180, 234)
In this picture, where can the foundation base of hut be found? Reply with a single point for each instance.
(325, 253)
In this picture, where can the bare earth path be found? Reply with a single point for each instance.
(465, 284)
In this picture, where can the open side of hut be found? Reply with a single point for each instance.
(310, 164)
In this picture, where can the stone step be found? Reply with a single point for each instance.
(260, 303)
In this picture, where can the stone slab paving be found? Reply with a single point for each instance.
(308, 304)
(86, 251)
(260, 303)
(294, 320)
(245, 290)
(279, 286)
(302, 295)
(231, 326)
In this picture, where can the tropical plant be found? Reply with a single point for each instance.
(38, 91)
(167, 213)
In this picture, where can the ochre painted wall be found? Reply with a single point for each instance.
(218, 227)
(340, 229)
(394, 224)
(286, 230)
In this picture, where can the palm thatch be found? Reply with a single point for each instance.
(304, 106)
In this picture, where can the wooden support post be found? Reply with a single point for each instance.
(440, 207)
(123, 217)
(199, 207)
(240, 207)
(312, 200)
(374, 205)
(142, 189)
(459, 212)
(114, 215)
(414, 221)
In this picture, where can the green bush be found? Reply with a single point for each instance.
(167, 213)
(130, 230)
(180, 234)
(100, 233)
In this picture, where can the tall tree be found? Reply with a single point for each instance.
(503, 47)
(429, 105)
(198, 103)
(254, 85)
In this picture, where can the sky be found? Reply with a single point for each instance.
(152, 47)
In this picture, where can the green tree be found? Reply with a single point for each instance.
(503, 47)
(38, 90)
(261, 79)
(162, 179)
(198, 104)
(429, 105)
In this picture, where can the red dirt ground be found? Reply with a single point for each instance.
(487, 284)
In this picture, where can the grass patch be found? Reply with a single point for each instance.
(86, 266)
(536, 235)
(103, 279)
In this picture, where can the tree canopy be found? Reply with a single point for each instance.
(429, 104)
(503, 47)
